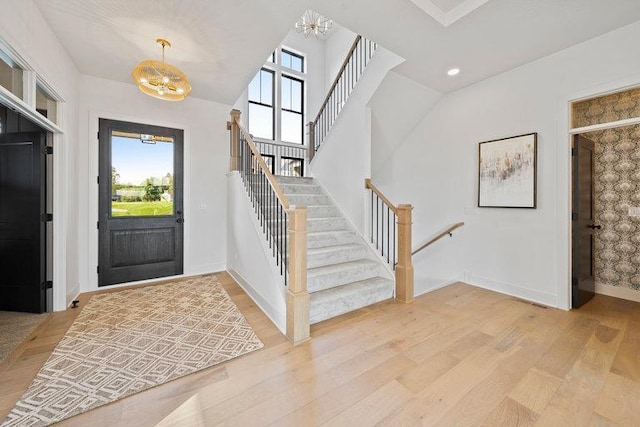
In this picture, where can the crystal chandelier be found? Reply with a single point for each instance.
(161, 80)
(313, 23)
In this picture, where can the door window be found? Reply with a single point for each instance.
(141, 175)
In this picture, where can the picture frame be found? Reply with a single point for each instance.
(507, 172)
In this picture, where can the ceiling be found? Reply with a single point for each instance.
(219, 45)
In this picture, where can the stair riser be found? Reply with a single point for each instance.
(320, 312)
(348, 275)
(293, 180)
(306, 199)
(322, 212)
(330, 240)
(335, 257)
(317, 225)
(290, 189)
(329, 224)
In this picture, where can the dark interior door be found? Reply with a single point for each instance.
(22, 226)
(583, 227)
(141, 202)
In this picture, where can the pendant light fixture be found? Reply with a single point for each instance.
(160, 79)
(312, 22)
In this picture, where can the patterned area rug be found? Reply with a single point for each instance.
(128, 341)
(14, 328)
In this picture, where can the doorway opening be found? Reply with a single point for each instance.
(140, 225)
(26, 233)
(606, 197)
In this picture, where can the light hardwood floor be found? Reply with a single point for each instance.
(458, 356)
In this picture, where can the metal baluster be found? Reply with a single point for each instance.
(388, 210)
(395, 244)
(371, 234)
(377, 220)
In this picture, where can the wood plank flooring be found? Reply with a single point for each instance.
(455, 357)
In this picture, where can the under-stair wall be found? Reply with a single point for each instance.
(343, 160)
(249, 259)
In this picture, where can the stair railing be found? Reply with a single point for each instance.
(449, 231)
(390, 233)
(284, 225)
(357, 59)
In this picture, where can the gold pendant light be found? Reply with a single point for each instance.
(161, 80)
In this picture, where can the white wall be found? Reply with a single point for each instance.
(249, 259)
(335, 51)
(24, 29)
(518, 251)
(397, 107)
(343, 161)
(206, 159)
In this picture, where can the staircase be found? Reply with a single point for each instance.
(343, 274)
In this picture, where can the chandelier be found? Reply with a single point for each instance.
(161, 80)
(313, 23)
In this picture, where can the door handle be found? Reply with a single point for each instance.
(594, 227)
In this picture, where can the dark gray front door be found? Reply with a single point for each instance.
(22, 224)
(141, 197)
(583, 227)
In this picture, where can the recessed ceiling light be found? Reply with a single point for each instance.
(453, 71)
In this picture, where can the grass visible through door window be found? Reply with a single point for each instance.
(141, 175)
(141, 208)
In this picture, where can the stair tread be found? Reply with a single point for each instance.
(375, 282)
(334, 268)
(339, 300)
(325, 233)
(327, 249)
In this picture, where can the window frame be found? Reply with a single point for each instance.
(274, 132)
(279, 70)
(302, 105)
(291, 52)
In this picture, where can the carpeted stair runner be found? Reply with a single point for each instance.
(343, 275)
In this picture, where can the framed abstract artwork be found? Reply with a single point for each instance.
(507, 172)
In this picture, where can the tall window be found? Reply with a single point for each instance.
(291, 107)
(292, 60)
(276, 98)
(261, 111)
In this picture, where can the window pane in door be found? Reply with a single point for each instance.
(141, 175)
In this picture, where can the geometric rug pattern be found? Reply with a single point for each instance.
(129, 341)
(16, 327)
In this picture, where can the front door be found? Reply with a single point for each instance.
(583, 227)
(22, 221)
(141, 196)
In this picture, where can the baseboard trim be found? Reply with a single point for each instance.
(277, 318)
(618, 292)
(513, 290)
(205, 269)
(419, 289)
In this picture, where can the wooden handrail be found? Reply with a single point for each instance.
(403, 267)
(439, 236)
(369, 185)
(263, 165)
(337, 79)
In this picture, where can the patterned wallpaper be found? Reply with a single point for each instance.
(609, 108)
(616, 188)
